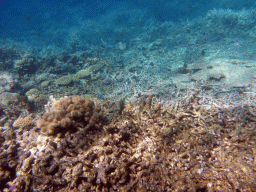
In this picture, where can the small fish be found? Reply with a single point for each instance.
(100, 93)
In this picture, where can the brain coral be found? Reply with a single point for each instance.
(69, 112)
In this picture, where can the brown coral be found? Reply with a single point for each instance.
(192, 147)
(23, 122)
(68, 112)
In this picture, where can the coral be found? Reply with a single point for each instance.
(34, 95)
(8, 158)
(7, 82)
(64, 80)
(23, 122)
(27, 64)
(67, 112)
(6, 98)
(7, 55)
(189, 146)
(96, 68)
(45, 84)
(82, 73)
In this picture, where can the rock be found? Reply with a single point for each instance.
(217, 76)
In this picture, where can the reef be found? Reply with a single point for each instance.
(80, 144)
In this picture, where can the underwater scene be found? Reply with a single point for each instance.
(128, 96)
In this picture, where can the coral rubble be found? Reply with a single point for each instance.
(80, 146)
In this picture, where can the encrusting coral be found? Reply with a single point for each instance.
(136, 147)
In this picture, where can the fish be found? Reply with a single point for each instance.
(100, 93)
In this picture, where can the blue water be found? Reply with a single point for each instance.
(137, 42)
(44, 22)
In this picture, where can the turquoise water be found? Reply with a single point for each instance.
(153, 40)
(124, 52)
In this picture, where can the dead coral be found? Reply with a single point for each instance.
(23, 122)
(187, 147)
(8, 159)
